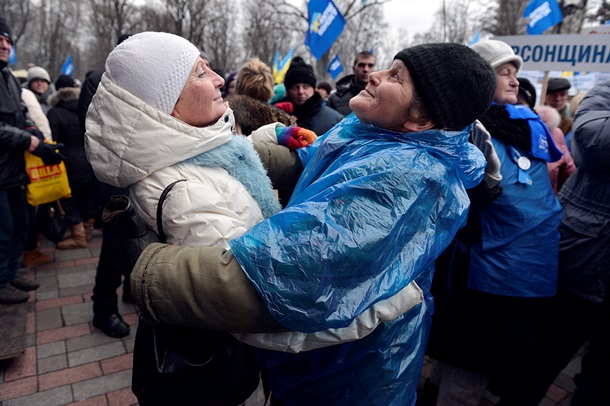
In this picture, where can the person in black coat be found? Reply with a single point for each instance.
(300, 82)
(65, 127)
(17, 135)
(112, 266)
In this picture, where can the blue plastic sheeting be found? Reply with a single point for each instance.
(371, 212)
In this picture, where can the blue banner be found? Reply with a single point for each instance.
(68, 67)
(12, 59)
(335, 67)
(325, 25)
(542, 14)
(476, 38)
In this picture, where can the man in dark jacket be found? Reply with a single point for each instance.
(300, 82)
(111, 267)
(17, 134)
(351, 85)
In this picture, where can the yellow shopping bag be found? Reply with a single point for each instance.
(48, 183)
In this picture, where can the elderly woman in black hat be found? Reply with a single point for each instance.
(381, 195)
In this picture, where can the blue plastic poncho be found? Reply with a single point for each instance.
(371, 212)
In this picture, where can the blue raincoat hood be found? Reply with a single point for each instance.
(370, 214)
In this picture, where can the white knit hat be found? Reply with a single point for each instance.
(153, 66)
(37, 72)
(497, 53)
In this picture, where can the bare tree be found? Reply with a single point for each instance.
(19, 15)
(107, 21)
(456, 21)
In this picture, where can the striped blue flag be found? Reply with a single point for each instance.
(325, 25)
(68, 67)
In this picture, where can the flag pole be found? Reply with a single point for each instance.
(545, 81)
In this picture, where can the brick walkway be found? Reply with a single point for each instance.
(69, 362)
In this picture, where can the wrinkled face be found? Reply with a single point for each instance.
(363, 68)
(5, 48)
(507, 84)
(557, 100)
(39, 85)
(299, 93)
(386, 99)
(200, 103)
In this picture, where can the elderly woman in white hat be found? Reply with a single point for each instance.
(158, 117)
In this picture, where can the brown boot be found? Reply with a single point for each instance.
(35, 258)
(76, 240)
(88, 228)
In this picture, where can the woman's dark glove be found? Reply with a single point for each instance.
(48, 153)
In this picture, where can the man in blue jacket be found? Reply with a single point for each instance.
(381, 195)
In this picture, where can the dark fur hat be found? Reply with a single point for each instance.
(251, 114)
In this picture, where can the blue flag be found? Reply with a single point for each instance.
(476, 38)
(335, 67)
(12, 59)
(542, 14)
(325, 25)
(68, 67)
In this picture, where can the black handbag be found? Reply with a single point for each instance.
(51, 221)
(175, 365)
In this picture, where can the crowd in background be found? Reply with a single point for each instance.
(525, 279)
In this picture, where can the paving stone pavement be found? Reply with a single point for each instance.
(69, 362)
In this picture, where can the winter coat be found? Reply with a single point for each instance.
(13, 139)
(584, 251)
(36, 113)
(346, 89)
(63, 119)
(131, 144)
(316, 117)
(251, 114)
(517, 254)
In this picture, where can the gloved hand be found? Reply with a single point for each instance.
(294, 137)
(48, 153)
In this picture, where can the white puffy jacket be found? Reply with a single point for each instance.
(131, 144)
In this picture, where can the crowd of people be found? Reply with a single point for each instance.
(331, 237)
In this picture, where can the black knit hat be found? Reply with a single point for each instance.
(64, 81)
(558, 84)
(299, 72)
(5, 30)
(527, 91)
(455, 83)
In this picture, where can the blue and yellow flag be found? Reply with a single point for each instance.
(325, 25)
(281, 67)
(542, 14)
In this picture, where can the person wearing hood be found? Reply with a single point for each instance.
(40, 83)
(158, 117)
(500, 277)
(65, 127)
(351, 85)
(381, 196)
